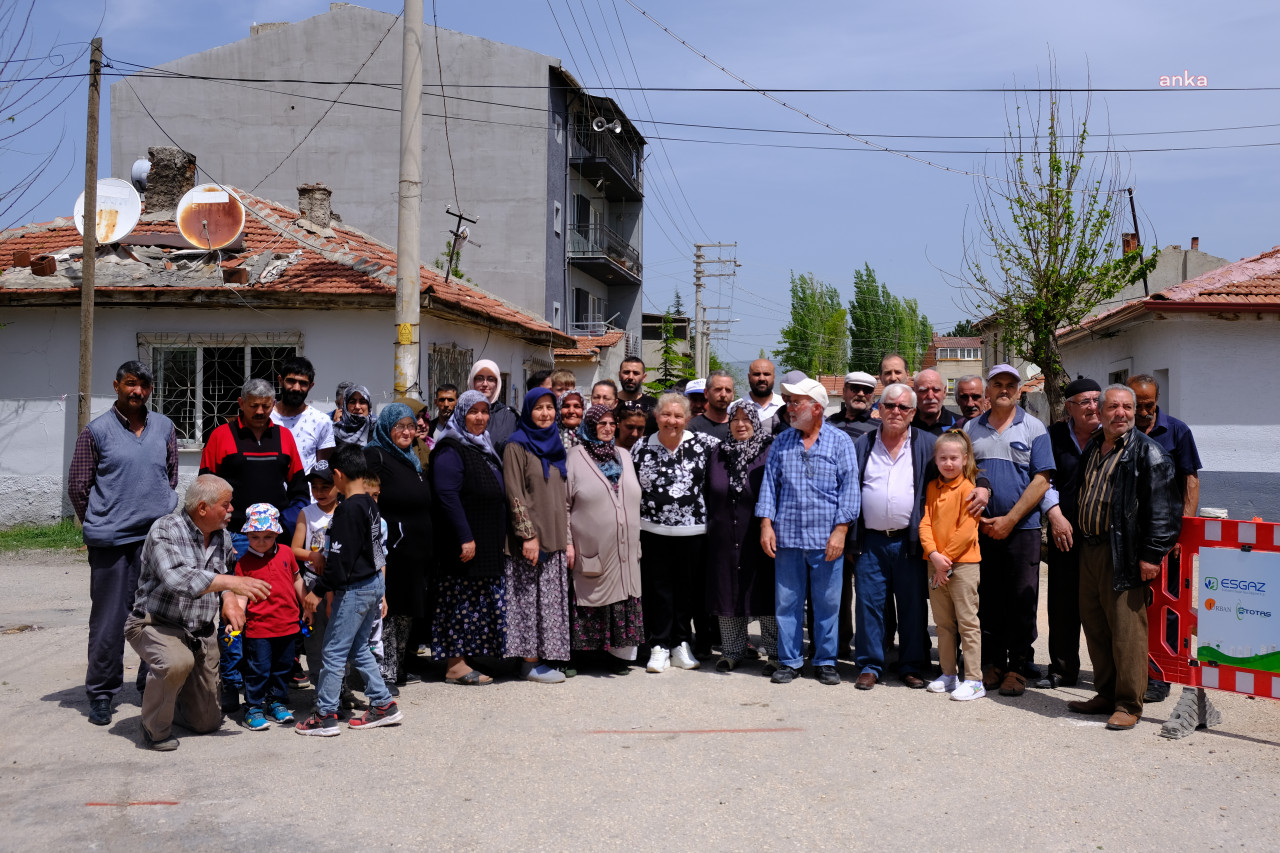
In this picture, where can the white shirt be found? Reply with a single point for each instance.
(888, 487)
(769, 412)
(312, 431)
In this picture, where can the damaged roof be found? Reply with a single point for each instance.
(589, 347)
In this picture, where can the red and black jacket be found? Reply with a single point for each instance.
(259, 471)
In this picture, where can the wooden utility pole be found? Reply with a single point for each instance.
(88, 261)
(408, 229)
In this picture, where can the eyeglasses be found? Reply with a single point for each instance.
(404, 427)
(1086, 403)
(900, 407)
(860, 389)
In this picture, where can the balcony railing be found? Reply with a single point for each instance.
(625, 160)
(600, 241)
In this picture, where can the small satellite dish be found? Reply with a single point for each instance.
(139, 172)
(119, 207)
(210, 217)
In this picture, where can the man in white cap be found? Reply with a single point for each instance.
(854, 416)
(808, 500)
(696, 391)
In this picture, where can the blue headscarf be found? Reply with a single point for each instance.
(458, 426)
(542, 442)
(387, 418)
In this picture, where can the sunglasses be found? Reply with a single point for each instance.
(860, 389)
(631, 405)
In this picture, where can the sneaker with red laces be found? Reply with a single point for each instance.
(387, 715)
(319, 725)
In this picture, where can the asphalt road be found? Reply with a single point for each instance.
(678, 761)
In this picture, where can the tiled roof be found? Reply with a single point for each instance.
(280, 256)
(588, 346)
(941, 341)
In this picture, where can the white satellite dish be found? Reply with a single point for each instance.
(119, 207)
(210, 217)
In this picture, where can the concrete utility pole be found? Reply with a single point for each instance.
(89, 252)
(409, 225)
(702, 329)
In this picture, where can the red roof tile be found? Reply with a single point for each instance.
(589, 346)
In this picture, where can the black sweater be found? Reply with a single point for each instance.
(355, 545)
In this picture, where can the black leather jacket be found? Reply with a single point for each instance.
(1146, 511)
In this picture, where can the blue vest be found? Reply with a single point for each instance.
(131, 484)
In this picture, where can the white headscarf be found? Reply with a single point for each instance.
(486, 364)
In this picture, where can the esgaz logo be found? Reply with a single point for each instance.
(1248, 587)
(1211, 583)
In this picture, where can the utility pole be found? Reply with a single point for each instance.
(88, 256)
(702, 328)
(409, 225)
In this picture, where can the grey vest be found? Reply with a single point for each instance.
(131, 484)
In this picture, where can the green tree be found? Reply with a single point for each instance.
(880, 322)
(677, 305)
(673, 365)
(964, 329)
(1047, 248)
(816, 339)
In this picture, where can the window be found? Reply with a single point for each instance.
(958, 353)
(1118, 377)
(448, 364)
(951, 387)
(199, 376)
(557, 123)
(557, 217)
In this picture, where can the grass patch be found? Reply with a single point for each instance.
(42, 537)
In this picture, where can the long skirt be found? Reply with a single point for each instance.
(537, 607)
(470, 617)
(611, 626)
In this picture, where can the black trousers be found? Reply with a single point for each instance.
(1009, 597)
(672, 586)
(113, 580)
(1064, 612)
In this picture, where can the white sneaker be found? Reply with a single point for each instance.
(659, 660)
(682, 656)
(969, 690)
(944, 684)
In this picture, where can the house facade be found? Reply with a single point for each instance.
(953, 358)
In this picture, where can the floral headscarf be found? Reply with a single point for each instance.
(740, 454)
(603, 453)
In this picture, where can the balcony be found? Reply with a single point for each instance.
(604, 159)
(603, 254)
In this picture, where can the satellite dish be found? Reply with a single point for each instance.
(119, 207)
(210, 217)
(138, 174)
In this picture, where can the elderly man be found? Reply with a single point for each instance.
(808, 499)
(186, 561)
(854, 416)
(760, 385)
(714, 421)
(1129, 516)
(1013, 451)
(1067, 438)
(930, 414)
(970, 397)
(311, 428)
(896, 462)
(123, 474)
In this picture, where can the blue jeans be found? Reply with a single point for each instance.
(347, 636)
(888, 566)
(795, 570)
(268, 661)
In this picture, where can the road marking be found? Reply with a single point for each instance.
(693, 731)
(142, 803)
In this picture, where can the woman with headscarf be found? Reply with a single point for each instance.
(537, 570)
(739, 574)
(422, 440)
(487, 379)
(572, 404)
(405, 504)
(356, 424)
(604, 533)
(470, 528)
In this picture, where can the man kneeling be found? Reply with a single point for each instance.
(185, 563)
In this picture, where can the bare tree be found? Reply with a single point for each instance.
(1047, 249)
(35, 82)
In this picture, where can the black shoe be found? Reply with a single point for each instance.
(827, 675)
(770, 667)
(1157, 691)
(229, 699)
(169, 744)
(395, 689)
(1053, 681)
(784, 675)
(100, 711)
(1029, 671)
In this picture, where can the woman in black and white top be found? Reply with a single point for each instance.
(672, 468)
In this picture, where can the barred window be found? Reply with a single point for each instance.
(447, 364)
(199, 376)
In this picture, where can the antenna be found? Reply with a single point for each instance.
(209, 217)
(119, 208)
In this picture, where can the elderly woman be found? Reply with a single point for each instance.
(572, 405)
(470, 529)
(422, 440)
(739, 574)
(355, 426)
(537, 565)
(486, 379)
(604, 529)
(672, 468)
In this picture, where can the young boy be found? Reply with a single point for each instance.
(271, 626)
(352, 574)
(309, 538)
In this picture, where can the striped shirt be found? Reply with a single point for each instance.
(1096, 488)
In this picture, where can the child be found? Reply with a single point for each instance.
(271, 626)
(309, 538)
(373, 488)
(949, 538)
(352, 574)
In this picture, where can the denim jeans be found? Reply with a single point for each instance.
(231, 666)
(268, 661)
(796, 569)
(887, 565)
(347, 636)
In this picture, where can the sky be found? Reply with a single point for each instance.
(826, 212)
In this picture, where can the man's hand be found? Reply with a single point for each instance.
(530, 550)
(976, 503)
(1149, 570)
(233, 612)
(835, 544)
(997, 528)
(251, 588)
(382, 614)
(1059, 530)
(468, 551)
(768, 540)
(1175, 553)
(309, 604)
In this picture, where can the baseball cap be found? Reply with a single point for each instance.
(321, 471)
(696, 386)
(811, 388)
(261, 517)
(793, 377)
(1003, 368)
(857, 377)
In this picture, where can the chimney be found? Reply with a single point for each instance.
(314, 203)
(173, 173)
(1195, 244)
(1128, 243)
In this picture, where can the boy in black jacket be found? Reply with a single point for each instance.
(352, 573)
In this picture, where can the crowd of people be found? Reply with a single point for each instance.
(609, 529)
